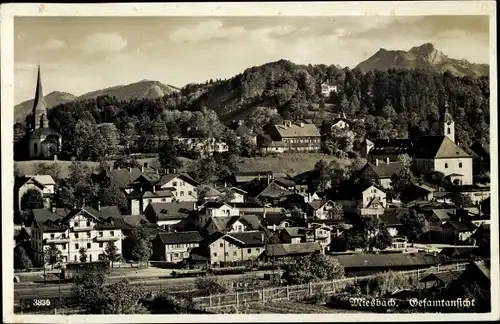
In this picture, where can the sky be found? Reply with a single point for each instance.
(82, 54)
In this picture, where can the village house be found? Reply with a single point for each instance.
(169, 215)
(320, 209)
(240, 178)
(457, 231)
(234, 248)
(242, 130)
(175, 247)
(69, 231)
(214, 209)
(366, 199)
(125, 177)
(328, 87)
(243, 223)
(392, 220)
(388, 151)
(202, 146)
(366, 147)
(477, 193)
(167, 188)
(42, 183)
(314, 233)
(380, 172)
(293, 137)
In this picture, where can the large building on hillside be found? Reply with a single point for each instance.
(44, 142)
(302, 136)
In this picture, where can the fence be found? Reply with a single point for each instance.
(236, 299)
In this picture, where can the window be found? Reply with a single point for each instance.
(176, 255)
(100, 234)
(76, 235)
(112, 233)
(257, 250)
(88, 234)
(89, 245)
(235, 253)
(446, 165)
(174, 184)
(150, 200)
(64, 247)
(76, 246)
(226, 254)
(449, 131)
(190, 193)
(460, 164)
(215, 254)
(52, 236)
(182, 193)
(249, 251)
(76, 224)
(88, 223)
(163, 199)
(100, 245)
(63, 236)
(75, 257)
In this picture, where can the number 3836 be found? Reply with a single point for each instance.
(41, 302)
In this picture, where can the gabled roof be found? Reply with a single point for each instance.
(295, 231)
(352, 191)
(158, 194)
(392, 146)
(444, 277)
(287, 182)
(317, 204)
(171, 210)
(392, 216)
(171, 176)
(251, 221)
(385, 170)
(294, 130)
(135, 220)
(459, 226)
(43, 179)
(105, 212)
(124, 177)
(293, 249)
(180, 237)
(253, 238)
(443, 214)
(438, 147)
(273, 190)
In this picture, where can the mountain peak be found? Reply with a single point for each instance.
(429, 53)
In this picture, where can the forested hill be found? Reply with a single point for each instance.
(392, 103)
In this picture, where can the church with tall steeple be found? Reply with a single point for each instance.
(44, 142)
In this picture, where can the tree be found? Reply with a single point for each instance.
(413, 225)
(401, 182)
(31, 199)
(111, 252)
(52, 255)
(227, 195)
(336, 212)
(83, 254)
(111, 137)
(51, 169)
(461, 200)
(168, 155)
(315, 267)
(92, 292)
(110, 194)
(324, 176)
(21, 259)
(137, 246)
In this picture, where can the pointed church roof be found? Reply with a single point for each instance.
(39, 103)
(438, 147)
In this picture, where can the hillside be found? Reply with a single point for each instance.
(52, 99)
(144, 89)
(425, 57)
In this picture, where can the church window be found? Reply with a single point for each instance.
(449, 131)
(446, 165)
(460, 164)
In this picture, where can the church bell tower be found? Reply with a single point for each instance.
(447, 124)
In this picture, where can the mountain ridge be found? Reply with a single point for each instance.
(425, 56)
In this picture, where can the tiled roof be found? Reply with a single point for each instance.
(284, 181)
(294, 231)
(43, 179)
(483, 267)
(171, 176)
(253, 238)
(444, 277)
(180, 237)
(385, 170)
(393, 146)
(251, 221)
(158, 194)
(222, 223)
(317, 204)
(135, 220)
(386, 260)
(460, 226)
(392, 217)
(292, 249)
(294, 130)
(443, 214)
(438, 147)
(171, 210)
(274, 191)
(352, 191)
(124, 177)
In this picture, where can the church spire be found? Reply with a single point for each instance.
(39, 104)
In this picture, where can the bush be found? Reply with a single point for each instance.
(210, 286)
(169, 304)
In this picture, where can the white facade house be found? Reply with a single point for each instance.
(84, 227)
(327, 88)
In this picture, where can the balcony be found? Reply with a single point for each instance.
(107, 238)
(82, 228)
(56, 240)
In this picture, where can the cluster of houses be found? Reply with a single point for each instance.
(247, 217)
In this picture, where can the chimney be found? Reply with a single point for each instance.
(268, 179)
(130, 169)
(262, 236)
(154, 189)
(142, 169)
(99, 205)
(388, 160)
(376, 162)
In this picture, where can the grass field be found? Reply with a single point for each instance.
(292, 307)
(291, 163)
